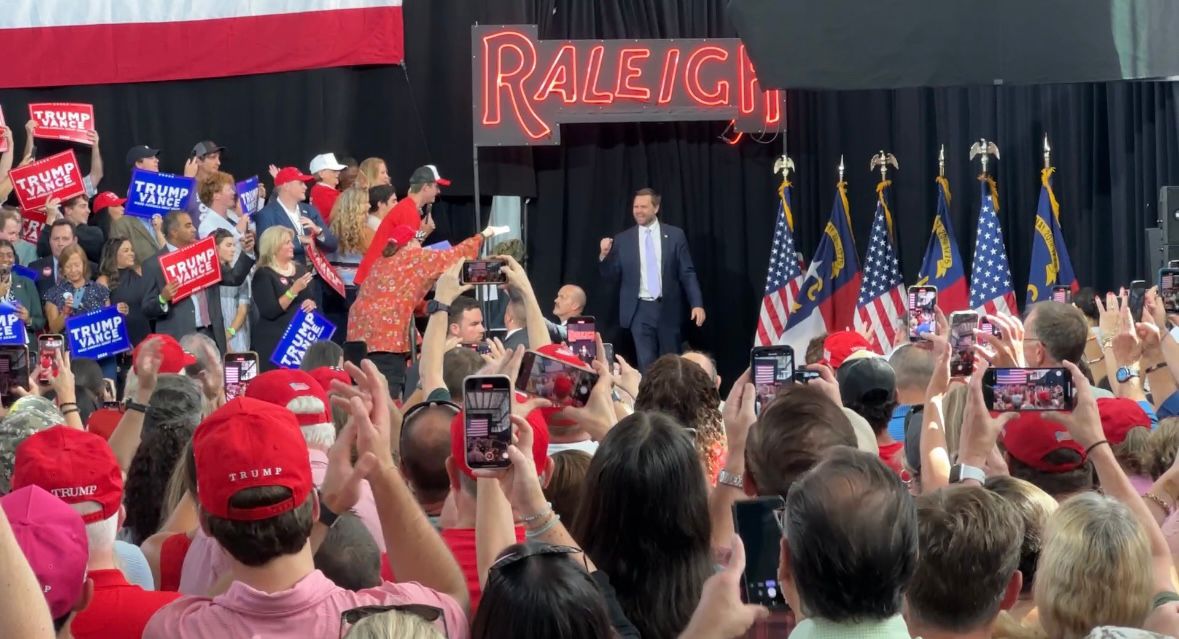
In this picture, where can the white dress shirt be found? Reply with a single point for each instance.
(657, 238)
(295, 216)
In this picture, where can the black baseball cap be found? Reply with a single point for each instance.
(867, 380)
(206, 147)
(427, 174)
(141, 152)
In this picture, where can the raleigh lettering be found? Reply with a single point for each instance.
(171, 197)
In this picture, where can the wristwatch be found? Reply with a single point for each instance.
(326, 516)
(731, 479)
(434, 306)
(1125, 374)
(961, 472)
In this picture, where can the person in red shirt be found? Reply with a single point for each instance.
(868, 386)
(81, 470)
(423, 190)
(326, 170)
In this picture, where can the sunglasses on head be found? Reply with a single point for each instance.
(426, 613)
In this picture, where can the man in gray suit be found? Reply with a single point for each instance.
(200, 312)
(515, 320)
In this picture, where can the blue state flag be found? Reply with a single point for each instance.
(153, 193)
(98, 334)
(1051, 265)
(304, 330)
(12, 328)
(943, 266)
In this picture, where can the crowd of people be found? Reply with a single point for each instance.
(338, 499)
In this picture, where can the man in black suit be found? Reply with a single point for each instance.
(656, 272)
(516, 321)
(60, 234)
(77, 211)
(201, 311)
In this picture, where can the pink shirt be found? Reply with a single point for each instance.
(310, 609)
(206, 561)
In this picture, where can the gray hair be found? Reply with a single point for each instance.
(175, 403)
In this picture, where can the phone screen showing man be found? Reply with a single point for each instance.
(582, 338)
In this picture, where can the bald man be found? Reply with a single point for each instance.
(570, 302)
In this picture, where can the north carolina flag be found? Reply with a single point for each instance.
(827, 298)
(943, 266)
(74, 42)
(1051, 265)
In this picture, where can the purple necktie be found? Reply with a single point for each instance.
(654, 286)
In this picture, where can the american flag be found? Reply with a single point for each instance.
(763, 373)
(477, 425)
(990, 276)
(1011, 376)
(1168, 282)
(882, 293)
(784, 277)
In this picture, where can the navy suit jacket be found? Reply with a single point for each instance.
(273, 214)
(679, 275)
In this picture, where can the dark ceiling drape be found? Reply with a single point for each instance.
(1114, 146)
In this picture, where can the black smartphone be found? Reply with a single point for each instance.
(49, 346)
(771, 367)
(112, 394)
(487, 424)
(582, 337)
(1169, 289)
(355, 352)
(922, 311)
(804, 376)
(757, 523)
(497, 333)
(483, 272)
(1137, 298)
(608, 353)
(1028, 389)
(561, 383)
(962, 341)
(14, 371)
(1062, 294)
(238, 369)
(483, 348)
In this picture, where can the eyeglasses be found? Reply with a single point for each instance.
(780, 518)
(429, 614)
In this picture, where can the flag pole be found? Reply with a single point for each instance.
(883, 160)
(985, 149)
(841, 167)
(941, 162)
(1047, 153)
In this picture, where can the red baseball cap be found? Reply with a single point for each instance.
(291, 174)
(1029, 438)
(249, 443)
(174, 357)
(53, 539)
(1119, 415)
(540, 443)
(841, 344)
(73, 465)
(107, 198)
(294, 390)
(325, 374)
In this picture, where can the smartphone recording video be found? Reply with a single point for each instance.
(1028, 389)
(238, 369)
(14, 372)
(49, 348)
(1062, 294)
(771, 367)
(355, 351)
(483, 272)
(922, 312)
(561, 383)
(1169, 289)
(487, 425)
(962, 341)
(756, 522)
(582, 338)
(1137, 299)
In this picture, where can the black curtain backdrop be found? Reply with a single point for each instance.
(1113, 144)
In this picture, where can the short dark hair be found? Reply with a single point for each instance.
(219, 235)
(1086, 300)
(73, 201)
(349, 556)
(378, 195)
(424, 452)
(255, 543)
(968, 535)
(791, 435)
(457, 364)
(324, 353)
(62, 222)
(460, 305)
(1059, 485)
(1061, 329)
(1034, 507)
(171, 221)
(651, 193)
(851, 531)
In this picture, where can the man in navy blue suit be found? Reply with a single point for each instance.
(288, 209)
(656, 270)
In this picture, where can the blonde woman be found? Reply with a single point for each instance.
(350, 224)
(282, 286)
(392, 624)
(373, 172)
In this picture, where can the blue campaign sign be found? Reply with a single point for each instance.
(304, 330)
(247, 194)
(12, 329)
(98, 334)
(158, 193)
(24, 271)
